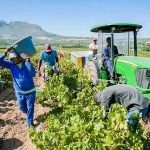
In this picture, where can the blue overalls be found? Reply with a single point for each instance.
(107, 61)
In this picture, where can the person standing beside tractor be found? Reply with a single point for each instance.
(106, 55)
(22, 73)
(93, 46)
(50, 59)
(127, 96)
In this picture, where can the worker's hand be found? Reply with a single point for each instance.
(93, 49)
(8, 50)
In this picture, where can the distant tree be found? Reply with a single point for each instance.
(146, 47)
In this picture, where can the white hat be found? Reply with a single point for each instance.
(12, 55)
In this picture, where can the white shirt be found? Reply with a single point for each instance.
(93, 46)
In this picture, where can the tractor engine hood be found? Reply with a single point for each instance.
(136, 62)
(135, 71)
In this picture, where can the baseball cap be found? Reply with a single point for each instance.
(94, 39)
(47, 47)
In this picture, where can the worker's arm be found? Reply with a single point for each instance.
(115, 50)
(39, 64)
(92, 47)
(106, 101)
(3, 63)
(106, 54)
(56, 58)
(30, 68)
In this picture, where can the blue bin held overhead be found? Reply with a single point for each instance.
(24, 46)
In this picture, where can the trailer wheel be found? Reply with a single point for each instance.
(92, 72)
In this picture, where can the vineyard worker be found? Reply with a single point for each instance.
(22, 74)
(93, 46)
(106, 55)
(129, 97)
(50, 59)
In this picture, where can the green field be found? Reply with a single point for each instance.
(140, 52)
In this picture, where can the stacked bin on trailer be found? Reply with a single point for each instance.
(81, 58)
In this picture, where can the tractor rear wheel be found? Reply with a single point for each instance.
(92, 72)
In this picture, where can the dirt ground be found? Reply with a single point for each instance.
(13, 128)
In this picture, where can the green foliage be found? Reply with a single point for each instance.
(75, 46)
(5, 76)
(76, 122)
(146, 47)
(55, 94)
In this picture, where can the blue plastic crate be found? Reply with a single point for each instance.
(25, 46)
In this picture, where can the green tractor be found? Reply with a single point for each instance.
(128, 69)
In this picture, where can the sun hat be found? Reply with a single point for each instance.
(47, 47)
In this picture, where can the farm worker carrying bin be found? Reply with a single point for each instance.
(22, 73)
(129, 97)
(50, 59)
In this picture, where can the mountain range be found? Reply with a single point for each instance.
(16, 30)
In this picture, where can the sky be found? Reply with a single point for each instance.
(76, 17)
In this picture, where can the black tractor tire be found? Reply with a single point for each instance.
(92, 72)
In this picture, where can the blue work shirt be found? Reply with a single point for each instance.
(107, 52)
(49, 58)
(22, 77)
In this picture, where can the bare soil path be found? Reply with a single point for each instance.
(13, 128)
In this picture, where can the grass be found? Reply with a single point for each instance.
(39, 49)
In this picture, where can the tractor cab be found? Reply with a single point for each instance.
(127, 66)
